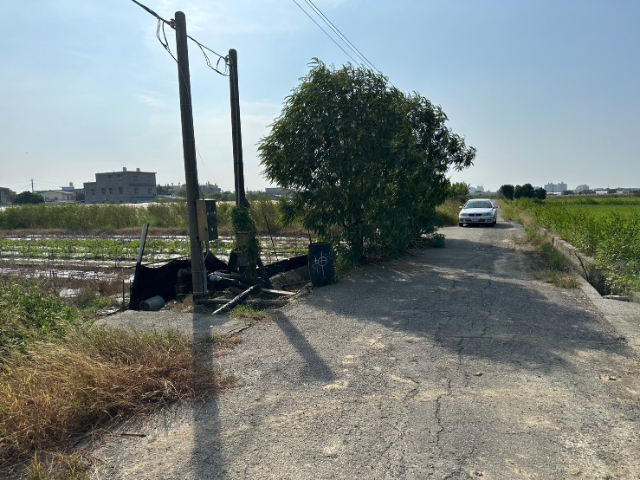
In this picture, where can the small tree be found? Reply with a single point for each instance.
(26, 198)
(369, 164)
(459, 191)
(507, 191)
(540, 193)
(524, 191)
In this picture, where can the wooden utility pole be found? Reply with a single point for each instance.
(236, 130)
(198, 271)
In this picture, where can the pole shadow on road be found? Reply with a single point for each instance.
(315, 368)
(206, 457)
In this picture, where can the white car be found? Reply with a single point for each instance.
(478, 211)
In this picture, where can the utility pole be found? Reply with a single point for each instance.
(198, 271)
(32, 185)
(236, 130)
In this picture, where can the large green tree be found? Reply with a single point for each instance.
(525, 191)
(28, 198)
(507, 191)
(369, 163)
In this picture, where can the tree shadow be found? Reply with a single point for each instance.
(475, 299)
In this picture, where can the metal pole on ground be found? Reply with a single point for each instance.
(198, 271)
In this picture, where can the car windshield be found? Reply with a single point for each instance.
(479, 204)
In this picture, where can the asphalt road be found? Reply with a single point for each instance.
(451, 363)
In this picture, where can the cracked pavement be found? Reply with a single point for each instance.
(450, 363)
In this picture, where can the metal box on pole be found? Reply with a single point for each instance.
(207, 219)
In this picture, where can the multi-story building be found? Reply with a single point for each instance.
(121, 187)
(556, 187)
(4, 196)
(582, 188)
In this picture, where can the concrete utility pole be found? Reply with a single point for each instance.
(198, 271)
(236, 130)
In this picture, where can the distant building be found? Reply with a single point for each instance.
(57, 196)
(275, 192)
(210, 189)
(478, 189)
(556, 187)
(582, 188)
(4, 196)
(121, 187)
(601, 191)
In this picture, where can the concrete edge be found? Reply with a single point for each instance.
(584, 265)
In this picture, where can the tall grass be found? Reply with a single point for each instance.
(84, 218)
(612, 238)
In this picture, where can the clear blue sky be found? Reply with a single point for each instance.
(545, 90)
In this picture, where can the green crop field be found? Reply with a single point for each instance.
(606, 229)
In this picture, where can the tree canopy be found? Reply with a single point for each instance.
(507, 191)
(369, 163)
(28, 198)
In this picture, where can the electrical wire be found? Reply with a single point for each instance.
(326, 33)
(351, 46)
(165, 43)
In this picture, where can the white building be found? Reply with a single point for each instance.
(58, 196)
(582, 188)
(556, 187)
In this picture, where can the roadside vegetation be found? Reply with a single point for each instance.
(606, 229)
(368, 163)
(62, 379)
(76, 217)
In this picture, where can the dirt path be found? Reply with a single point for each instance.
(452, 363)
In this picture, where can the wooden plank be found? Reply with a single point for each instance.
(278, 292)
(236, 300)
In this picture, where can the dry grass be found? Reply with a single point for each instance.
(58, 392)
(59, 466)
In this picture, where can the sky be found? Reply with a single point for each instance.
(545, 90)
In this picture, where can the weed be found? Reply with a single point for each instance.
(225, 341)
(246, 312)
(30, 312)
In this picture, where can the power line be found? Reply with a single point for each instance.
(327, 34)
(353, 48)
(165, 43)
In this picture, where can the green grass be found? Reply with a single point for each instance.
(607, 230)
(30, 312)
(246, 312)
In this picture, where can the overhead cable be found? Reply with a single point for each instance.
(326, 33)
(162, 38)
(349, 44)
